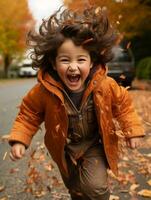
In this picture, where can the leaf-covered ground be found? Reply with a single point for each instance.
(37, 177)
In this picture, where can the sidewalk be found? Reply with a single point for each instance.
(141, 84)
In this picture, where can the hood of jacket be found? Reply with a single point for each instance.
(57, 87)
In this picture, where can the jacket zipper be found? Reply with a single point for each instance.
(79, 112)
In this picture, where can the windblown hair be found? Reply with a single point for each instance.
(91, 29)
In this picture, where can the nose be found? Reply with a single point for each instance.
(73, 66)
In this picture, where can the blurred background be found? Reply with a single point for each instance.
(132, 19)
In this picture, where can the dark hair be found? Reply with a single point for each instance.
(91, 29)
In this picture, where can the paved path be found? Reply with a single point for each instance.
(37, 165)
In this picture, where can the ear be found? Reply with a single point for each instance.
(91, 65)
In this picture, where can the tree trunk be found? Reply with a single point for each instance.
(7, 61)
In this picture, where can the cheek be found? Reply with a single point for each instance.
(61, 71)
(86, 71)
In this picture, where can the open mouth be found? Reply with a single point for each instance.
(73, 77)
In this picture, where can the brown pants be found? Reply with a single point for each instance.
(88, 179)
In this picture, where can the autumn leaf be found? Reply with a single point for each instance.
(57, 127)
(13, 170)
(122, 15)
(122, 76)
(113, 197)
(48, 166)
(149, 182)
(5, 138)
(3, 198)
(2, 188)
(39, 194)
(133, 187)
(56, 182)
(5, 155)
(145, 193)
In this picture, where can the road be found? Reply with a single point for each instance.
(13, 175)
(36, 175)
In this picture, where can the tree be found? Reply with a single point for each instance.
(131, 17)
(15, 21)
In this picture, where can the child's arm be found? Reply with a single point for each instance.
(17, 151)
(29, 117)
(125, 113)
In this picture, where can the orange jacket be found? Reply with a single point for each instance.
(45, 102)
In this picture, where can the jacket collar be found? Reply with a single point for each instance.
(56, 87)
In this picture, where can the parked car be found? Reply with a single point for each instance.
(25, 69)
(122, 67)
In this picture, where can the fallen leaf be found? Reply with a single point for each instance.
(145, 193)
(133, 187)
(5, 137)
(39, 194)
(4, 198)
(48, 166)
(55, 182)
(113, 197)
(125, 158)
(149, 182)
(2, 188)
(5, 155)
(148, 155)
(13, 170)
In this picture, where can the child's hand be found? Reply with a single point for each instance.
(17, 151)
(134, 142)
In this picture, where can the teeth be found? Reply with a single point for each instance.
(74, 75)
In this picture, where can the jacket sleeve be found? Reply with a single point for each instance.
(29, 117)
(125, 113)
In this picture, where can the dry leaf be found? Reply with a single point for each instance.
(5, 154)
(133, 187)
(113, 197)
(119, 133)
(149, 182)
(122, 76)
(39, 194)
(128, 45)
(2, 188)
(56, 182)
(5, 137)
(111, 174)
(3, 198)
(48, 166)
(13, 170)
(57, 127)
(145, 193)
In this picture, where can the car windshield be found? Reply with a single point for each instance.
(121, 55)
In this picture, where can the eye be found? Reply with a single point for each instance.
(64, 60)
(81, 59)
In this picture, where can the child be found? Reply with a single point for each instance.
(77, 101)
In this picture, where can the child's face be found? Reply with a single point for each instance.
(73, 64)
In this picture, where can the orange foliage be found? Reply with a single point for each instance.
(127, 15)
(77, 5)
(15, 21)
